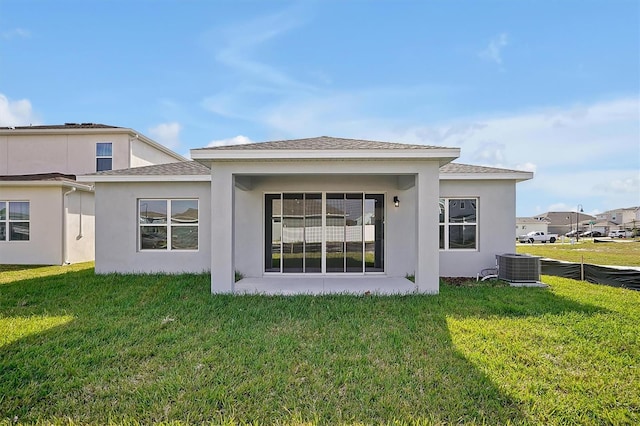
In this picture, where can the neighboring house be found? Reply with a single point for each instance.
(563, 222)
(603, 227)
(524, 225)
(623, 219)
(317, 207)
(46, 216)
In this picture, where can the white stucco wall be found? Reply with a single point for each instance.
(143, 154)
(70, 153)
(117, 228)
(496, 222)
(45, 229)
(73, 153)
(239, 244)
(80, 227)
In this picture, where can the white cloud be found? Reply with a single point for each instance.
(167, 134)
(243, 39)
(15, 33)
(493, 52)
(623, 185)
(236, 140)
(16, 113)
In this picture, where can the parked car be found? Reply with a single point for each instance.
(619, 233)
(539, 236)
(571, 234)
(591, 234)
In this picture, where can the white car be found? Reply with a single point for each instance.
(620, 233)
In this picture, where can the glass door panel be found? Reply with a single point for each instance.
(292, 233)
(374, 232)
(335, 221)
(353, 233)
(313, 233)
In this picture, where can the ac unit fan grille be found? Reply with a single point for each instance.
(515, 267)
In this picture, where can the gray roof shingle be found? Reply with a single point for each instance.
(65, 126)
(38, 177)
(195, 168)
(468, 168)
(184, 168)
(322, 143)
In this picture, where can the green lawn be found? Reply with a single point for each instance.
(625, 253)
(80, 348)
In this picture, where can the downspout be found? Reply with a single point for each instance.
(80, 235)
(65, 251)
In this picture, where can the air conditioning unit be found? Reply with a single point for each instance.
(518, 268)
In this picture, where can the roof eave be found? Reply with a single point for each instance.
(517, 176)
(144, 178)
(53, 183)
(446, 155)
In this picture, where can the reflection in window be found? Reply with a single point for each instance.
(458, 223)
(156, 233)
(104, 156)
(15, 220)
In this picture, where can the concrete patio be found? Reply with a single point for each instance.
(293, 285)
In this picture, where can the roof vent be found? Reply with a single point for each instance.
(518, 268)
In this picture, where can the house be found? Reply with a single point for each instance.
(563, 222)
(524, 225)
(307, 208)
(46, 215)
(621, 219)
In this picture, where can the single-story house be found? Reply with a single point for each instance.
(316, 207)
(524, 225)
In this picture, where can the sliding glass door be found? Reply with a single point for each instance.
(332, 232)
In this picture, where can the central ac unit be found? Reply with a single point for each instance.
(518, 268)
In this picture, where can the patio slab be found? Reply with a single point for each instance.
(294, 285)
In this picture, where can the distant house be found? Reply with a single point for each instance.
(621, 219)
(563, 222)
(46, 216)
(317, 208)
(524, 225)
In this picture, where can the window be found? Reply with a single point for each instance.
(104, 156)
(168, 224)
(14, 221)
(458, 224)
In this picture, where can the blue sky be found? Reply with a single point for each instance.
(547, 86)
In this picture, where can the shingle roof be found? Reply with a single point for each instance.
(183, 168)
(38, 177)
(468, 168)
(65, 126)
(321, 143)
(195, 168)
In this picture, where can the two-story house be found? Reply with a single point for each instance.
(46, 216)
(625, 218)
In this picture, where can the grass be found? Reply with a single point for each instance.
(80, 348)
(625, 253)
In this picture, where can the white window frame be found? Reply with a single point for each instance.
(100, 157)
(447, 224)
(7, 221)
(168, 225)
